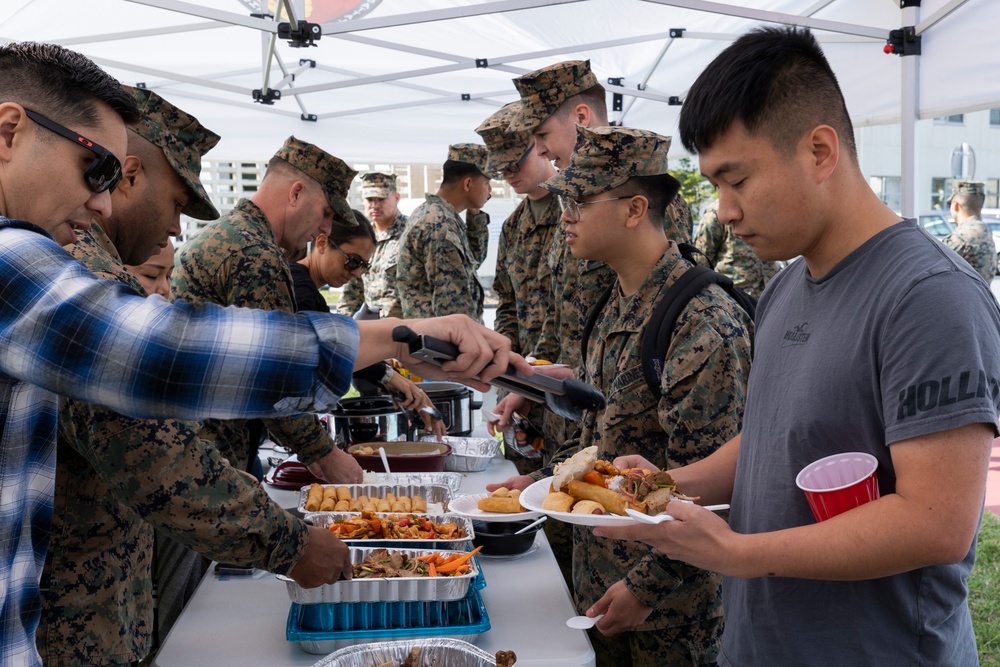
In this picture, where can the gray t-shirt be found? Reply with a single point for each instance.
(900, 339)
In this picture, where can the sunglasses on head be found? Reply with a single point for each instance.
(353, 262)
(104, 172)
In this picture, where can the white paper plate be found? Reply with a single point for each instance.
(468, 506)
(532, 497)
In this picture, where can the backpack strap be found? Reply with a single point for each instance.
(592, 316)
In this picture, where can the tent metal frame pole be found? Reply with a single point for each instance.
(131, 67)
(231, 18)
(138, 34)
(774, 17)
(497, 7)
(910, 95)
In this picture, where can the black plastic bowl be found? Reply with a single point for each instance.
(497, 538)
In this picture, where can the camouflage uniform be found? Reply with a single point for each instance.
(236, 261)
(439, 253)
(972, 239)
(730, 255)
(116, 479)
(377, 288)
(703, 390)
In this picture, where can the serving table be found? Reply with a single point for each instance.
(240, 621)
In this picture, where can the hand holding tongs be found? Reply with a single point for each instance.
(567, 398)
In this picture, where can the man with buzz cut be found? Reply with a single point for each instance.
(377, 287)
(439, 253)
(554, 101)
(657, 612)
(972, 239)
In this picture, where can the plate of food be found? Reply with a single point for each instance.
(586, 491)
(501, 505)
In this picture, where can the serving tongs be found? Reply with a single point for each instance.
(567, 398)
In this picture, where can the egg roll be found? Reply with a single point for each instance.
(342, 506)
(557, 501)
(315, 498)
(343, 493)
(418, 504)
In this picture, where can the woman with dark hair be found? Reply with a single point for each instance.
(334, 259)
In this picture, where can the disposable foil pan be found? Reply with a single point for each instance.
(442, 651)
(385, 590)
(434, 494)
(453, 480)
(324, 519)
(469, 454)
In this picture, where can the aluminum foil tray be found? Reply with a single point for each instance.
(469, 454)
(444, 651)
(324, 519)
(385, 590)
(453, 480)
(363, 623)
(434, 494)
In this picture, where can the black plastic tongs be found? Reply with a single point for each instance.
(567, 398)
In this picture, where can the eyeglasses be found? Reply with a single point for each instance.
(353, 262)
(573, 206)
(104, 172)
(516, 167)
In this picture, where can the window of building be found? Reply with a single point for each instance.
(994, 117)
(992, 193)
(939, 193)
(888, 190)
(957, 119)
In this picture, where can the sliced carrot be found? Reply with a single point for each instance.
(432, 570)
(453, 564)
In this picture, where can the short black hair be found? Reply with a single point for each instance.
(594, 97)
(454, 171)
(659, 190)
(60, 84)
(341, 233)
(777, 82)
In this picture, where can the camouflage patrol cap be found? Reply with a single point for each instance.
(606, 157)
(968, 188)
(507, 149)
(544, 90)
(183, 141)
(332, 174)
(377, 185)
(475, 154)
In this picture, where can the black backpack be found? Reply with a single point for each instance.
(659, 330)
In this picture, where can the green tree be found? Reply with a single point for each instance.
(695, 188)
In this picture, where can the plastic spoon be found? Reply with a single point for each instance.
(385, 461)
(583, 622)
(660, 518)
(531, 525)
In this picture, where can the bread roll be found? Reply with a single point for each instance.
(557, 501)
(588, 507)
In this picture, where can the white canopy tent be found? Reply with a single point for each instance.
(397, 80)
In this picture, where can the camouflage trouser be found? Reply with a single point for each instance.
(694, 645)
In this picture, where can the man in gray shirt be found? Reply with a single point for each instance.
(880, 340)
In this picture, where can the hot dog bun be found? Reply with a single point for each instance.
(588, 507)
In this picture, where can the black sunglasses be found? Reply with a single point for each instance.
(104, 172)
(353, 262)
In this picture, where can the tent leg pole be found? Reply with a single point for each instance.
(910, 92)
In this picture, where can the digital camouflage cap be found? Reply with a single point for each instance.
(968, 188)
(544, 90)
(506, 149)
(183, 141)
(606, 157)
(474, 154)
(332, 174)
(377, 185)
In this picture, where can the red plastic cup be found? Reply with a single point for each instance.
(837, 483)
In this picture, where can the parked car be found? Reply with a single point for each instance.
(936, 223)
